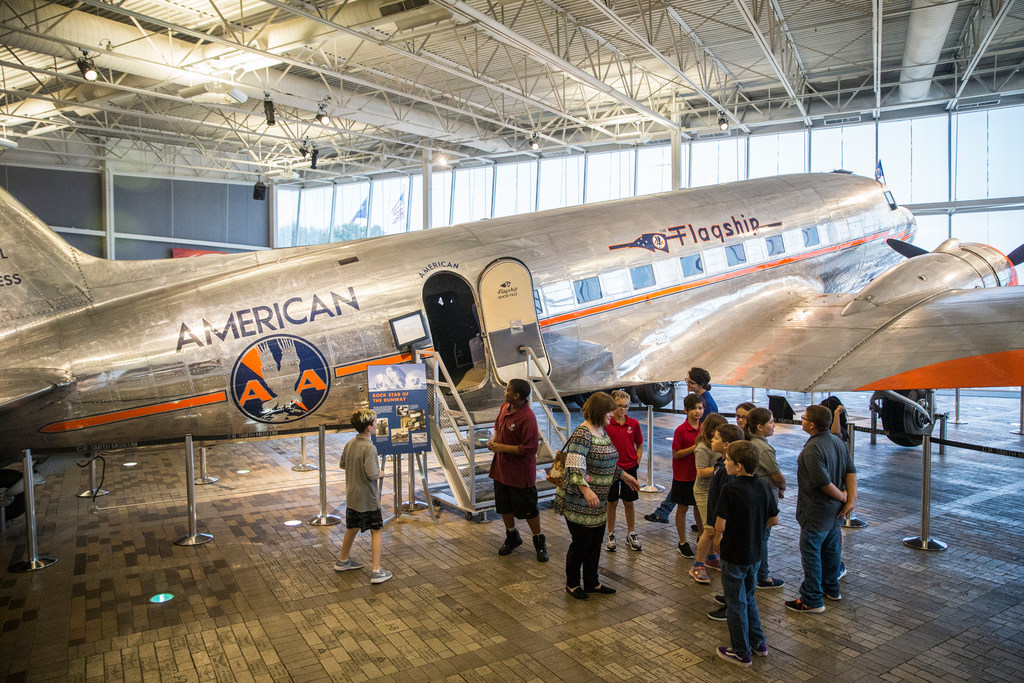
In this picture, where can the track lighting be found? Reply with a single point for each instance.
(534, 142)
(723, 122)
(321, 114)
(87, 68)
(304, 149)
(268, 109)
(314, 157)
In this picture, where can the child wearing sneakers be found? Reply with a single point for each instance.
(362, 502)
(724, 435)
(624, 431)
(704, 460)
(684, 472)
(746, 508)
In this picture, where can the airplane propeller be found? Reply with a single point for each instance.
(1017, 255)
(905, 248)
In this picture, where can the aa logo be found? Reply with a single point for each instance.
(280, 379)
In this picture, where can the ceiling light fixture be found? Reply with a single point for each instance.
(440, 159)
(321, 113)
(314, 157)
(268, 109)
(723, 122)
(304, 149)
(534, 142)
(86, 66)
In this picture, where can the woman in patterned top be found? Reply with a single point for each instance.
(590, 470)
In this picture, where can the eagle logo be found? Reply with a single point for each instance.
(280, 378)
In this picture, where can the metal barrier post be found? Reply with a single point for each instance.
(1020, 429)
(203, 478)
(752, 390)
(849, 521)
(192, 537)
(33, 562)
(93, 491)
(304, 467)
(956, 408)
(924, 541)
(413, 505)
(650, 487)
(323, 519)
(942, 432)
(874, 427)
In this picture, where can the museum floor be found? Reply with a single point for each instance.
(261, 601)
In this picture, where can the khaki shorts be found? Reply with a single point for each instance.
(702, 503)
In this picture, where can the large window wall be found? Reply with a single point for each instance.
(935, 163)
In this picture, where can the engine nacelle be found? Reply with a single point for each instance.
(953, 265)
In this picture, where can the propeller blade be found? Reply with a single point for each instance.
(1017, 255)
(905, 248)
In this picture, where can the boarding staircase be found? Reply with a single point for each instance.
(459, 437)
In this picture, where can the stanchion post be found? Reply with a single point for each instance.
(413, 505)
(849, 521)
(323, 519)
(93, 491)
(650, 487)
(304, 467)
(956, 407)
(203, 477)
(193, 537)
(1020, 428)
(33, 562)
(925, 541)
(874, 427)
(942, 432)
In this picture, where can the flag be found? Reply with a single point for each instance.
(879, 176)
(398, 210)
(361, 213)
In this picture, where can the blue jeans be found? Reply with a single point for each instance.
(762, 571)
(741, 607)
(819, 554)
(666, 507)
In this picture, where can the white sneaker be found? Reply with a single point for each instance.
(380, 576)
(633, 542)
(611, 543)
(340, 566)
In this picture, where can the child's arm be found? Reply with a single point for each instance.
(720, 525)
(684, 452)
(772, 521)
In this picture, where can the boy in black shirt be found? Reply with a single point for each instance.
(745, 509)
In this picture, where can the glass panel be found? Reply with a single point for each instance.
(714, 260)
(558, 297)
(970, 144)
(615, 282)
(314, 224)
(587, 289)
(915, 159)
(643, 277)
(561, 182)
(518, 183)
(537, 304)
(735, 255)
(692, 265)
(416, 204)
(811, 236)
(351, 211)
(774, 245)
(654, 169)
(609, 176)
(777, 154)
(472, 194)
(440, 198)
(931, 231)
(286, 217)
(1005, 152)
(666, 271)
(388, 210)
(851, 148)
(718, 161)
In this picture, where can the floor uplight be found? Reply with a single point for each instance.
(162, 597)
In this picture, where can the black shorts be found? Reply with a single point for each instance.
(682, 493)
(354, 519)
(516, 501)
(619, 490)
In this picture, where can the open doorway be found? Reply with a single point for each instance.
(455, 329)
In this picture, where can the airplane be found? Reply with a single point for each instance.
(801, 282)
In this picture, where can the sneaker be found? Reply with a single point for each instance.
(834, 598)
(798, 606)
(693, 527)
(540, 545)
(713, 563)
(720, 599)
(698, 574)
(770, 583)
(611, 543)
(842, 571)
(380, 576)
(761, 650)
(655, 518)
(340, 566)
(719, 614)
(728, 655)
(512, 541)
(633, 542)
(686, 551)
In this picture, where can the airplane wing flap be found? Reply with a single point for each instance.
(20, 386)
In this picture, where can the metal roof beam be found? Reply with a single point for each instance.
(974, 43)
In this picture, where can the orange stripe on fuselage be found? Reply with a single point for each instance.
(361, 367)
(1003, 368)
(132, 413)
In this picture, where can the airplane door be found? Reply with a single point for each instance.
(509, 318)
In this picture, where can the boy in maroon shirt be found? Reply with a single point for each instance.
(684, 471)
(624, 431)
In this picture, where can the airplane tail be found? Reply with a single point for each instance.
(40, 274)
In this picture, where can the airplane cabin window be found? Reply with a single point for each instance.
(615, 282)
(537, 304)
(558, 297)
(643, 277)
(774, 245)
(735, 255)
(714, 260)
(666, 271)
(793, 240)
(811, 236)
(692, 265)
(889, 198)
(587, 289)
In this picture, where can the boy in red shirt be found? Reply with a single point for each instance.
(624, 431)
(684, 471)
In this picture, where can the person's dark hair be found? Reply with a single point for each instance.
(820, 417)
(691, 401)
(597, 406)
(701, 377)
(708, 426)
(746, 405)
(362, 418)
(521, 387)
(833, 402)
(743, 453)
(756, 418)
(729, 433)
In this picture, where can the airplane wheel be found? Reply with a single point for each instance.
(904, 424)
(658, 394)
(16, 507)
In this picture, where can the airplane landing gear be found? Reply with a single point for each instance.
(657, 394)
(904, 422)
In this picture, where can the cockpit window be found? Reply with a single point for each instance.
(889, 198)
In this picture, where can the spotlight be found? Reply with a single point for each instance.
(723, 122)
(321, 114)
(304, 150)
(87, 68)
(268, 109)
(440, 159)
(534, 143)
(314, 157)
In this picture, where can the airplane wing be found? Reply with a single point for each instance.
(957, 338)
(20, 386)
